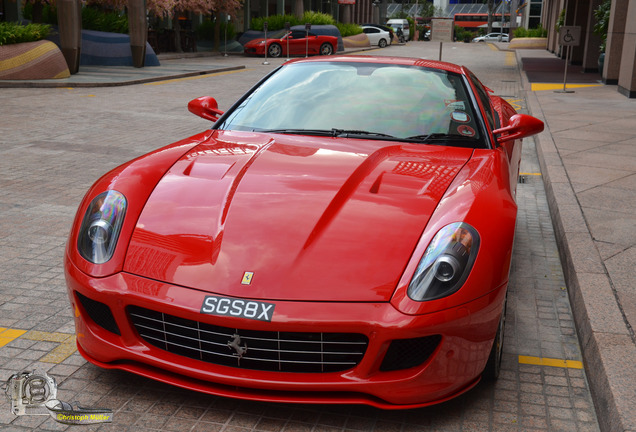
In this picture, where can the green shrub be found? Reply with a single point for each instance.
(461, 34)
(277, 22)
(274, 22)
(113, 22)
(348, 29)
(318, 18)
(49, 13)
(205, 31)
(522, 32)
(13, 33)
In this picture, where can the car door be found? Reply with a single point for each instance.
(373, 34)
(297, 42)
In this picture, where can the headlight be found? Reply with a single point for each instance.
(446, 262)
(100, 227)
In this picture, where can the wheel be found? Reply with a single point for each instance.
(326, 49)
(382, 43)
(274, 50)
(493, 365)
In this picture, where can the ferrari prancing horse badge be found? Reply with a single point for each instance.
(247, 278)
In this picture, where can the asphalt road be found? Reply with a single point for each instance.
(54, 143)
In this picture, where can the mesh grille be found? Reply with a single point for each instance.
(408, 353)
(99, 313)
(260, 350)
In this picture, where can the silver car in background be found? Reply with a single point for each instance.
(493, 37)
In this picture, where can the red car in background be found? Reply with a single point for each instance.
(298, 41)
(342, 234)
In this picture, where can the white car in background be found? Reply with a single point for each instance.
(377, 36)
(493, 37)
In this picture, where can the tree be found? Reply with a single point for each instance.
(174, 8)
(491, 12)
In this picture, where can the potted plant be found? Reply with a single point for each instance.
(602, 16)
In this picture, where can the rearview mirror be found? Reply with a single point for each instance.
(521, 126)
(205, 107)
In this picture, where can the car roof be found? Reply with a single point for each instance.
(405, 61)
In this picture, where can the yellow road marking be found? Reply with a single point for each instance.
(538, 361)
(195, 77)
(511, 59)
(493, 46)
(58, 354)
(536, 174)
(7, 335)
(543, 86)
(515, 103)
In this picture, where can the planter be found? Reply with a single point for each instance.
(528, 43)
(32, 61)
(601, 63)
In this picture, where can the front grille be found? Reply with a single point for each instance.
(263, 350)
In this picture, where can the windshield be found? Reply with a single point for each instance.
(277, 34)
(403, 102)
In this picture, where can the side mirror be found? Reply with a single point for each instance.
(205, 107)
(521, 126)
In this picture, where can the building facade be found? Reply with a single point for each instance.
(619, 66)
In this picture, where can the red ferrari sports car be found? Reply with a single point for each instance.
(298, 42)
(342, 234)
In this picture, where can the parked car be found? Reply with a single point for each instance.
(377, 36)
(342, 234)
(383, 27)
(492, 37)
(298, 41)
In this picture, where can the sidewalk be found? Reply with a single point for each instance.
(587, 154)
(111, 76)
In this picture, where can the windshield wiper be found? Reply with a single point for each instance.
(318, 132)
(351, 133)
(343, 133)
(443, 137)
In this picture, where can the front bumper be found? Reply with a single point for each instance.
(465, 336)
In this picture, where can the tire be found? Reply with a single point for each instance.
(274, 50)
(326, 49)
(382, 43)
(493, 365)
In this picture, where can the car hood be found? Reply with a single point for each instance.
(316, 219)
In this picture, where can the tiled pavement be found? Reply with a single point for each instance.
(55, 142)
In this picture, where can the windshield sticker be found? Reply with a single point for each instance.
(466, 131)
(455, 104)
(460, 116)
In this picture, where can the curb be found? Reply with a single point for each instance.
(603, 333)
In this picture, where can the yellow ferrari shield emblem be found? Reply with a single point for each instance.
(247, 278)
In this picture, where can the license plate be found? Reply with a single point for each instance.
(250, 309)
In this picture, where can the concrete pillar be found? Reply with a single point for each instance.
(592, 42)
(552, 10)
(138, 29)
(581, 13)
(69, 20)
(615, 37)
(627, 73)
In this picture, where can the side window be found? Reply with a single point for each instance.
(485, 101)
